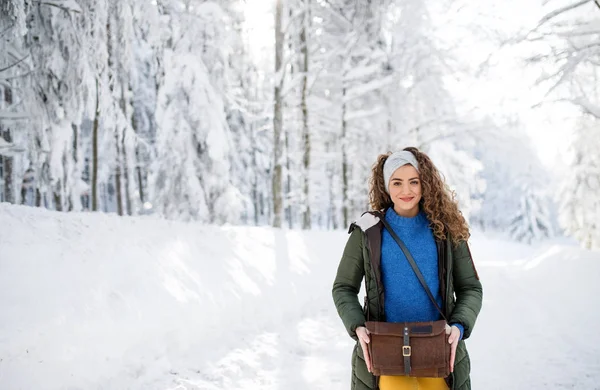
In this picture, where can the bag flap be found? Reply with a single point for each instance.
(415, 329)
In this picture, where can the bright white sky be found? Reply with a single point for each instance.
(507, 91)
(508, 86)
(260, 22)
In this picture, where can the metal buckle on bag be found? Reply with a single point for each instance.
(406, 350)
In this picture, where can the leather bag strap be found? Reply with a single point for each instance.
(406, 351)
(413, 265)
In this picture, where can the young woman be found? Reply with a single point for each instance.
(407, 190)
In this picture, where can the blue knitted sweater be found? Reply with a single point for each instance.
(405, 298)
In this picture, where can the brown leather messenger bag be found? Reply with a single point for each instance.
(418, 349)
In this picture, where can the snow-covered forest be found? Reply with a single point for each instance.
(272, 112)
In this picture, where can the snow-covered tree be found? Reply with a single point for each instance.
(462, 173)
(517, 198)
(143, 85)
(58, 93)
(578, 198)
(568, 61)
(533, 219)
(112, 105)
(190, 177)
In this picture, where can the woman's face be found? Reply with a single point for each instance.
(406, 191)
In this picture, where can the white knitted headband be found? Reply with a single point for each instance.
(395, 161)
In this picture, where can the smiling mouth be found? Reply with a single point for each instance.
(406, 199)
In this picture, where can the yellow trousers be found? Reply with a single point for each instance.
(387, 382)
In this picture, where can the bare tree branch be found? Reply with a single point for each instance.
(526, 36)
(343, 51)
(565, 71)
(585, 47)
(16, 76)
(4, 115)
(66, 9)
(340, 12)
(560, 11)
(563, 34)
(587, 107)
(286, 28)
(583, 103)
(6, 30)
(15, 64)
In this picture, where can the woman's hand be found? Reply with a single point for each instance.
(453, 340)
(363, 337)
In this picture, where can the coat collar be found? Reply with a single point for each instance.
(368, 220)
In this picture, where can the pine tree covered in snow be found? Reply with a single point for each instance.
(190, 176)
(532, 221)
(58, 96)
(143, 84)
(248, 111)
(516, 199)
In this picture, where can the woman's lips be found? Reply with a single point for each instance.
(406, 199)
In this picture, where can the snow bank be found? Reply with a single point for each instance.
(95, 301)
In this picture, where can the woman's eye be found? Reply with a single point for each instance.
(414, 183)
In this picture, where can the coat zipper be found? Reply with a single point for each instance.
(448, 292)
(379, 304)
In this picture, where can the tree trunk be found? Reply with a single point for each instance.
(64, 184)
(390, 127)
(287, 134)
(289, 130)
(345, 200)
(124, 148)
(23, 195)
(57, 200)
(255, 195)
(58, 188)
(7, 161)
(118, 176)
(7, 164)
(138, 162)
(95, 150)
(332, 220)
(126, 177)
(278, 118)
(140, 179)
(38, 196)
(306, 222)
(105, 197)
(288, 180)
(77, 176)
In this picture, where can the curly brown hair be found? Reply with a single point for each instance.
(437, 199)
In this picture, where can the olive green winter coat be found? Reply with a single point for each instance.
(459, 286)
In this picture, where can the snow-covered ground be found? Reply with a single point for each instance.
(94, 301)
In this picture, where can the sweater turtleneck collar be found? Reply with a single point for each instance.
(397, 220)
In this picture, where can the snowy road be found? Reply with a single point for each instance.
(536, 331)
(90, 302)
